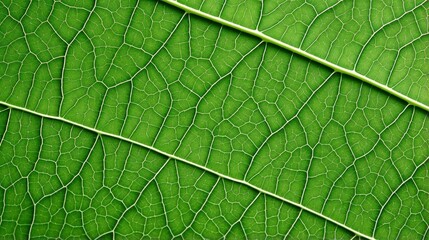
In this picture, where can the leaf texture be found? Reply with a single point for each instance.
(135, 119)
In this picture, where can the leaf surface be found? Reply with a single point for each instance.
(137, 119)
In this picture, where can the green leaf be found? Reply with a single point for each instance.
(133, 119)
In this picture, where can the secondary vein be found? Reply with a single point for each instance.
(100, 132)
(300, 52)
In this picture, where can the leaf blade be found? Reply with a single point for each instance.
(229, 103)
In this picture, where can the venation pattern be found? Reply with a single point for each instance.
(133, 119)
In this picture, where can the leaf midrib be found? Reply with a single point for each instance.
(100, 132)
(300, 52)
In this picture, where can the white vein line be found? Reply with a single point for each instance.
(11, 106)
(299, 51)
